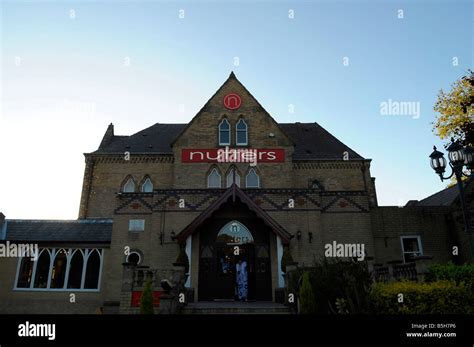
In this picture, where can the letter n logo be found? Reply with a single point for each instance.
(232, 101)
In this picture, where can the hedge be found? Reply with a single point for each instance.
(438, 297)
(459, 273)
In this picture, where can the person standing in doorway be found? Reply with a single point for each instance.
(241, 279)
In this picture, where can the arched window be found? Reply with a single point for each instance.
(129, 186)
(92, 270)
(224, 133)
(58, 272)
(61, 269)
(234, 233)
(230, 178)
(241, 135)
(214, 179)
(252, 180)
(147, 186)
(42, 270)
(75, 270)
(25, 273)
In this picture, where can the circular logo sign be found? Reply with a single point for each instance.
(232, 101)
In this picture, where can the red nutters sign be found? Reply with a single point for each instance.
(232, 155)
(232, 101)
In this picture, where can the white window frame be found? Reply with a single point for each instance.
(229, 178)
(209, 176)
(246, 179)
(237, 133)
(136, 225)
(221, 143)
(130, 179)
(70, 252)
(148, 180)
(420, 246)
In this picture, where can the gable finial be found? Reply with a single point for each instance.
(232, 74)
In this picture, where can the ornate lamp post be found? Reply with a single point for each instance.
(459, 157)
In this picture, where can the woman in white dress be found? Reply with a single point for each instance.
(241, 280)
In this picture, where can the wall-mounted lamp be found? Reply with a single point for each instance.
(173, 235)
(298, 235)
(310, 236)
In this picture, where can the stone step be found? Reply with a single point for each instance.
(235, 308)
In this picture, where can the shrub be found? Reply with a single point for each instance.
(439, 297)
(146, 300)
(449, 271)
(338, 286)
(306, 295)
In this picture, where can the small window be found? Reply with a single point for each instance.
(91, 281)
(147, 186)
(58, 273)
(224, 133)
(129, 186)
(75, 271)
(252, 180)
(136, 225)
(25, 273)
(230, 178)
(214, 179)
(42, 270)
(411, 247)
(134, 258)
(241, 136)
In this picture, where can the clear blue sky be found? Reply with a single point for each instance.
(64, 79)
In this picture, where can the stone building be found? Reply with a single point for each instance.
(231, 185)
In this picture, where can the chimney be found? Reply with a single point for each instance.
(108, 136)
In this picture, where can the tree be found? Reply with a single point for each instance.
(456, 111)
(146, 300)
(307, 302)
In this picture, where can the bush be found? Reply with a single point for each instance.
(306, 295)
(439, 297)
(459, 273)
(337, 286)
(146, 300)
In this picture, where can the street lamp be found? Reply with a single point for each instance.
(459, 157)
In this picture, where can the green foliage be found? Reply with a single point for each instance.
(146, 300)
(307, 304)
(454, 111)
(450, 271)
(338, 286)
(439, 297)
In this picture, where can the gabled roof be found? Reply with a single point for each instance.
(234, 191)
(312, 142)
(83, 230)
(155, 139)
(445, 197)
(234, 78)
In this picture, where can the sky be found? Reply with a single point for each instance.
(69, 68)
